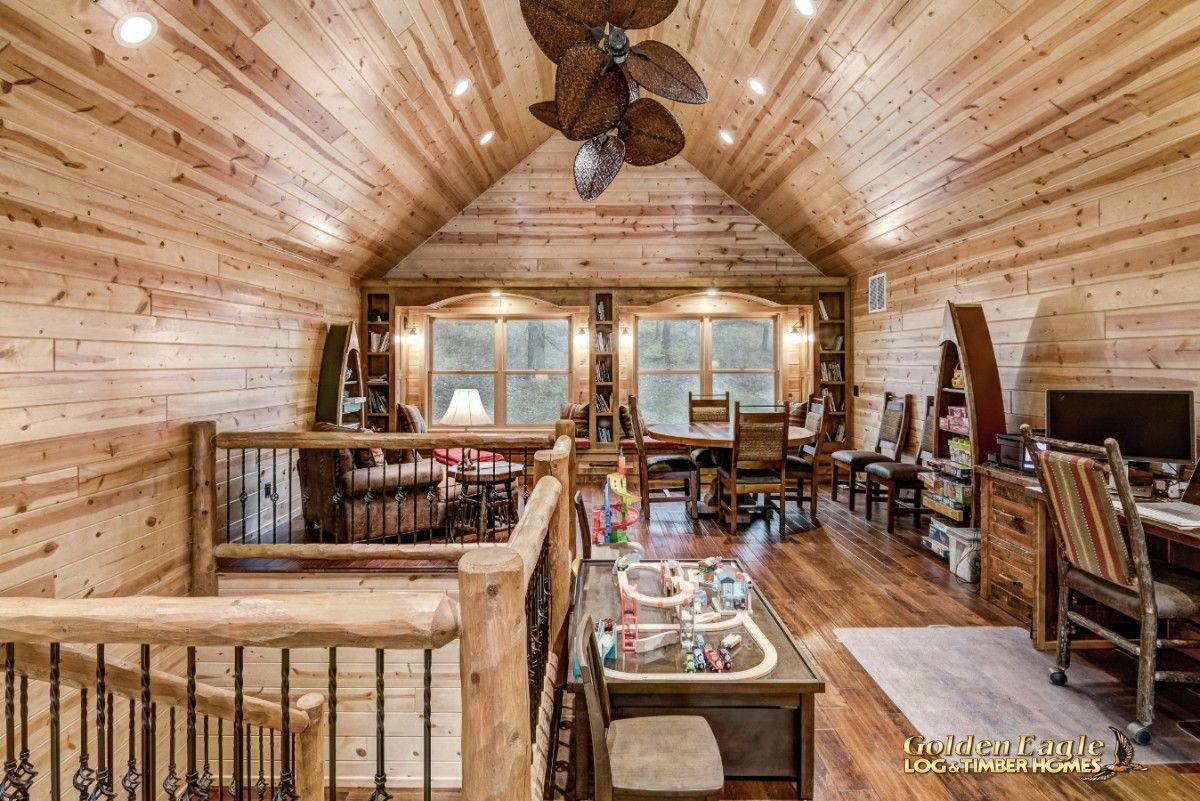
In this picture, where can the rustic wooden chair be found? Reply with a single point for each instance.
(664, 468)
(889, 445)
(707, 409)
(899, 477)
(585, 526)
(1096, 561)
(641, 758)
(759, 461)
(803, 467)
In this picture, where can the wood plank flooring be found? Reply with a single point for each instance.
(847, 572)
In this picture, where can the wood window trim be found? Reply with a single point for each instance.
(499, 371)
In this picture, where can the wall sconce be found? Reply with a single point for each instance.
(581, 335)
(796, 335)
(413, 337)
(626, 337)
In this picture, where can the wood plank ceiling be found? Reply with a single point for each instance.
(327, 129)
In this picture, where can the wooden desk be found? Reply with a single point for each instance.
(764, 726)
(1019, 554)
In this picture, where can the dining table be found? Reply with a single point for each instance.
(718, 436)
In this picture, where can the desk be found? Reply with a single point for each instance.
(764, 726)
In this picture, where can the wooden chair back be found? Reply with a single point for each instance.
(929, 431)
(814, 418)
(708, 408)
(1074, 481)
(591, 666)
(585, 525)
(760, 437)
(893, 426)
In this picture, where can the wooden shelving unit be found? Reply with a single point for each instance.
(970, 411)
(341, 390)
(604, 370)
(831, 365)
(381, 380)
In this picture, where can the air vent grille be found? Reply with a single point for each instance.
(877, 293)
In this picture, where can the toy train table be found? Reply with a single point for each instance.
(758, 694)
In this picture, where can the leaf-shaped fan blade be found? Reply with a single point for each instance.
(650, 133)
(546, 113)
(634, 92)
(662, 70)
(637, 14)
(591, 93)
(597, 164)
(558, 24)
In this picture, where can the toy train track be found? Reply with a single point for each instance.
(770, 656)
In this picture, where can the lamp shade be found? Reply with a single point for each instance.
(466, 409)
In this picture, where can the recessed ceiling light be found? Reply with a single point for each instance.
(806, 7)
(757, 87)
(487, 137)
(726, 137)
(461, 87)
(135, 29)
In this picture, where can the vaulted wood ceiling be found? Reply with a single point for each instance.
(325, 131)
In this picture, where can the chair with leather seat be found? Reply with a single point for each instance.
(889, 445)
(899, 477)
(1096, 560)
(759, 461)
(640, 758)
(803, 467)
(707, 409)
(677, 471)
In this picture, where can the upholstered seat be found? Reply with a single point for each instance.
(895, 471)
(669, 463)
(857, 460)
(667, 756)
(1176, 592)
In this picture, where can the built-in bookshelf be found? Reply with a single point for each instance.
(380, 341)
(341, 389)
(604, 370)
(831, 360)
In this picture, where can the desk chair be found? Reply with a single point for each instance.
(636, 759)
(665, 468)
(707, 409)
(759, 463)
(899, 476)
(1096, 561)
(889, 445)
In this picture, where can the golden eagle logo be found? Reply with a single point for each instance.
(1124, 763)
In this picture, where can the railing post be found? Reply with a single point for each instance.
(561, 540)
(567, 428)
(496, 740)
(311, 746)
(204, 505)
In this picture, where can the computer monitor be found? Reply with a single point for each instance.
(1149, 425)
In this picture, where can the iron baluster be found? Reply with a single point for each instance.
(84, 775)
(274, 494)
(271, 771)
(147, 747)
(242, 495)
(258, 493)
(287, 784)
(25, 769)
(333, 723)
(380, 793)
(171, 783)
(260, 786)
(8, 786)
(150, 778)
(131, 779)
(192, 790)
(235, 789)
(220, 759)
(205, 782)
(428, 728)
(110, 739)
(102, 789)
(55, 726)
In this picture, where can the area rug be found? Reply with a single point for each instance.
(990, 682)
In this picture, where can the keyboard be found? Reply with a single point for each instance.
(1173, 513)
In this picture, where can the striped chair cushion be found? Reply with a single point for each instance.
(579, 413)
(1077, 492)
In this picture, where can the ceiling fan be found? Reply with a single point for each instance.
(596, 92)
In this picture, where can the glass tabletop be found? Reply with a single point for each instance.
(597, 595)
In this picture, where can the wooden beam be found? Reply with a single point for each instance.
(250, 440)
(204, 504)
(349, 552)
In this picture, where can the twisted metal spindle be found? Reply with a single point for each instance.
(286, 791)
(8, 785)
(55, 725)
(380, 793)
(260, 786)
(205, 782)
(147, 754)
(25, 770)
(102, 789)
(235, 789)
(171, 782)
(333, 722)
(131, 779)
(84, 775)
(191, 789)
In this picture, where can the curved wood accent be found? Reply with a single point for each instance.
(77, 668)
(236, 440)
(408, 620)
(714, 435)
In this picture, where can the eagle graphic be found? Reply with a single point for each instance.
(1124, 763)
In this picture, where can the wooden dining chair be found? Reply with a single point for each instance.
(585, 525)
(803, 466)
(889, 445)
(677, 472)
(641, 758)
(707, 409)
(899, 477)
(1096, 561)
(759, 461)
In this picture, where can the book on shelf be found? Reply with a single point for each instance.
(601, 312)
(831, 371)
(603, 340)
(839, 342)
(601, 403)
(604, 371)
(379, 341)
(821, 310)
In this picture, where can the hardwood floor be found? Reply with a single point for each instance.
(847, 572)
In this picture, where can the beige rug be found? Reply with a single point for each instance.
(989, 681)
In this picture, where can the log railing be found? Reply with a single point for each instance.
(303, 495)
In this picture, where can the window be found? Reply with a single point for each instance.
(519, 366)
(703, 355)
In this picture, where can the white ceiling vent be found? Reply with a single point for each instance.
(877, 293)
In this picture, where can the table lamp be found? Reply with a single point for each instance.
(466, 410)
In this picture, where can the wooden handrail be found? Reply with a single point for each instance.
(534, 525)
(331, 440)
(401, 620)
(351, 552)
(78, 669)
